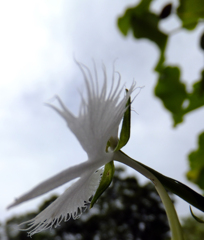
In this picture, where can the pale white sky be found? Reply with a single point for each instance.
(37, 45)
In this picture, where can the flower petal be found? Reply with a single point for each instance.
(71, 204)
(99, 116)
(63, 177)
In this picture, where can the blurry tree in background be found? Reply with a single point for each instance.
(1, 231)
(170, 88)
(126, 210)
(192, 230)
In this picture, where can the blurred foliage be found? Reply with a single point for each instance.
(144, 24)
(192, 230)
(170, 88)
(190, 12)
(196, 159)
(1, 231)
(126, 210)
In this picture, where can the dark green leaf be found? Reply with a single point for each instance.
(143, 23)
(195, 217)
(125, 131)
(196, 160)
(159, 65)
(196, 98)
(146, 26)
(190, 12)
(105, 181)
(178, 188)
(166, 11)
(124, 22)
(172, 92)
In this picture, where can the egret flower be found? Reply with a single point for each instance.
(98, 119)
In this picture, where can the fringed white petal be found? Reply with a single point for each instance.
(99, 116)
(71, 204)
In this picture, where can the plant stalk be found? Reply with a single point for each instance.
(174, 223)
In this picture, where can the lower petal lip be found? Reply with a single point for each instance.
(70, 204)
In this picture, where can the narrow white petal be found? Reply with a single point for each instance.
(53, 182)
(71, 204)
(63, 177)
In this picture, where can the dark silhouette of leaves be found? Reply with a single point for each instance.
(166, 11)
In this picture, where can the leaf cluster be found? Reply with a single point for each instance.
(170, 88)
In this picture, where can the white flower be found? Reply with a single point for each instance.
(98, 120)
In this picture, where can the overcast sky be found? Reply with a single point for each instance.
(37, 45)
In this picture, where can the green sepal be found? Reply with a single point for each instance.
(195, 217)
(125, 131)
(105, 182)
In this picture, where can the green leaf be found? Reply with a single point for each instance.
(196, 98)
(196, 161)
(143, 23)
(124, 22)
(172, 92)
(159, 67)
(190, 12)
(125, 131)
(178, 188)
(105, 182)
(195, 217)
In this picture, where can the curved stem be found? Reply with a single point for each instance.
(169, 207)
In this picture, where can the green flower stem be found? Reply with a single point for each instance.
(169, 207)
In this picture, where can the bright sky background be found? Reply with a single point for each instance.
(39, 40)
